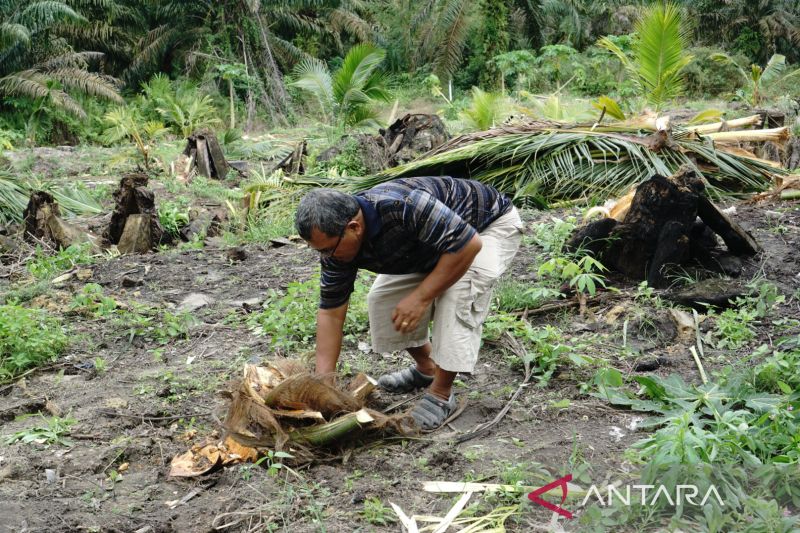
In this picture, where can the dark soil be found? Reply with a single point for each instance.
(153, 401)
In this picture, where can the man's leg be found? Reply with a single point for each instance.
(442, 379)
(458, 318)
(384, 296)
(422, 356)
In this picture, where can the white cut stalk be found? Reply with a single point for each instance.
(453, 513)
(774, 134)
(409, 523)
(459, 486)
(753, 120)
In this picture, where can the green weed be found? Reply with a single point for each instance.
(54, 431)
(289, 317)
(45, 265)
(376, 513)
(28, 338)
(90, 301)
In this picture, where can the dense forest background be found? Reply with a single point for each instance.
(76, 70)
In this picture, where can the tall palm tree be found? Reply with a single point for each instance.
(38, 61)
(253, 33)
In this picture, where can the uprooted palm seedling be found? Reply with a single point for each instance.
(281, 406)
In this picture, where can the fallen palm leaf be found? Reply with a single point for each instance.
(560, 162)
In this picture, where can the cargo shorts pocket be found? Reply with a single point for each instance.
(472, 310)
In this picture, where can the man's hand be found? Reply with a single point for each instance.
(448, 270)
(408, 312)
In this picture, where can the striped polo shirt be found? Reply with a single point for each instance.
(410, 223)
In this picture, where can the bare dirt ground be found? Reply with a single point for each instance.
(153, 400)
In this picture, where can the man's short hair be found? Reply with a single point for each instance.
(328, 210)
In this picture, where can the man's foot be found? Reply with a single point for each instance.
(431, 411)
(404, 380)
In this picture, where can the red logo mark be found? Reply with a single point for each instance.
(562, 482)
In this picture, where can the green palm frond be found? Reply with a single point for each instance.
(12, 199)
(344, 21)
(38, 15)
(551, 165)
(484, 111)
(70, 59)
(660, 52)
(88, 83)
(150, 48)
(285, 51)
(449, 36)
(12, 33)
(312, 75)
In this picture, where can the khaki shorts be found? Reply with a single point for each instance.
(457, 314)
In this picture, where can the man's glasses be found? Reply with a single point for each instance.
(328, 252)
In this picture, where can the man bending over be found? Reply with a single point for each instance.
(439, 244)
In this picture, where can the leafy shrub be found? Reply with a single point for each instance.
(706, 77)
(28, 338)
(348, 162)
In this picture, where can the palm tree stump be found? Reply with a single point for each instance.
(43, 222)
(202, 148)
(134, 225)
(670, 222)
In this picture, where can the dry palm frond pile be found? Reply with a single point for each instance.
(550, 162)
(282, 406)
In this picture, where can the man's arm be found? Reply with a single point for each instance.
(330, 323)
(448, 270)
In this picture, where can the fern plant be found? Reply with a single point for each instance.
(659, 54)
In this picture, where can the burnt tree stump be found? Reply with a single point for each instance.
(670, 222)
(134, 198)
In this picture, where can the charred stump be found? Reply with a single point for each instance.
(205, 154)
(134, 225)
(413, 135)
(43, 222)
(670, 222)
(406, 139)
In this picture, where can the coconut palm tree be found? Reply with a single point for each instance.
(346, 96)
(659, 54)
(38, 62)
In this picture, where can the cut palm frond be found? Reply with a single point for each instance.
(14, 194)
(549, 164)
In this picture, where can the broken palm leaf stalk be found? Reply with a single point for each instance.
(281, 406)
(556, 164)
